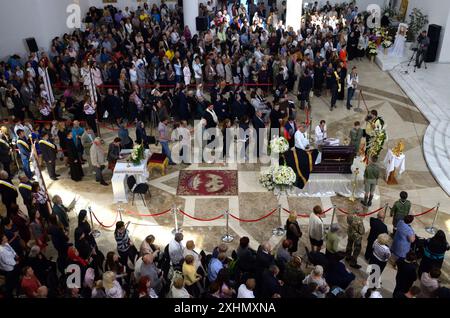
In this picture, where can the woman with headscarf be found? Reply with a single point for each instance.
(74, 160)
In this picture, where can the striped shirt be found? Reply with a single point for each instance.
(381, 252)
(123, 241)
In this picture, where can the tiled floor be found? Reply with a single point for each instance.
(404, 121)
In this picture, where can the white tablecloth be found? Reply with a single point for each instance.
(123, 170)
(392, 162)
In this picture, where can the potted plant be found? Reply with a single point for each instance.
(417, 20)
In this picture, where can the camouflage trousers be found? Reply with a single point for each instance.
(353, 247)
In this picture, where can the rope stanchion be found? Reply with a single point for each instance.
(253, 221)
(426, 212)
(201, 219)
(149, 215)
(279, 231)
(333, 216)
(362, 215)
(227, 238)
(432, 230)
(103, 225)
(175, 219)
(95, 233)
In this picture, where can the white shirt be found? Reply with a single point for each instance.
(7, 258)
(198, 70)
(351, 79)
(175, 252)
(301, 141)
(320, 135)
(315, 228)
(133, 75)
(244, 292)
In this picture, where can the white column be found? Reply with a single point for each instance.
(190, 12)
(294, 14)
(444, 56)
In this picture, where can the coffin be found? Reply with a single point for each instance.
(336, 159)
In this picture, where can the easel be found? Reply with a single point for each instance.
(361, 97)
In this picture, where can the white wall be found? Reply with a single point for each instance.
(438, 13)
(21, 19)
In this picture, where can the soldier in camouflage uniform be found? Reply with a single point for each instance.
(400, 209)
(371, 176)
(355, 234)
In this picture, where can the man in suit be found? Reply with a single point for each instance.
(377, 227)
(5, 153)
(290, 129)
(259, 127)
(271, 286)
(422, 50)
(49, 152)
(8, 192)
(25, 191)
(25, 152)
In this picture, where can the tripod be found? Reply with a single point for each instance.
(413, 58)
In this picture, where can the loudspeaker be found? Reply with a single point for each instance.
(32, 45)
(202, 24)
(434, 33)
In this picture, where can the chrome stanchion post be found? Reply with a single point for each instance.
(95, 233)
(279, 231)
(334, 214)
(432, 229)
(175, 219)
(227, 238)
(386, 207)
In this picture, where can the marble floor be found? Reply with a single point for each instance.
(404, 122)
(429, 91)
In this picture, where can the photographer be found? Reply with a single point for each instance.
(422, 49)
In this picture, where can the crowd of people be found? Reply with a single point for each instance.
(144, 69)
(177, 270)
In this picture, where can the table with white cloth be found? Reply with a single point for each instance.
(123, 170)
(393, 162)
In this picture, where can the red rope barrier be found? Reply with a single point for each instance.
(61, 86)
(106, 227)
(253, 221)
(362, 215)
(307, 215)
(201, 219)
(148, 215)
(423, 213)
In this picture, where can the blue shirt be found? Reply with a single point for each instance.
(214, 268)
(401, 245)
(77, 132)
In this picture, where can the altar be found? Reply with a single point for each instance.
(123, 170)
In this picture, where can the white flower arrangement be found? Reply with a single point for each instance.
(284, 176)
(266, 180)
(137, 154)
(279, 145)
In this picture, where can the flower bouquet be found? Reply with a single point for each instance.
(387, 43)
(284, 176)
(266, 179)
(138, 154)
(279, 145)
(377, 142)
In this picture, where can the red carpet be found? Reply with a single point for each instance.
(208, 183)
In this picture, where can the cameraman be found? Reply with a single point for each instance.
(422, 49)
